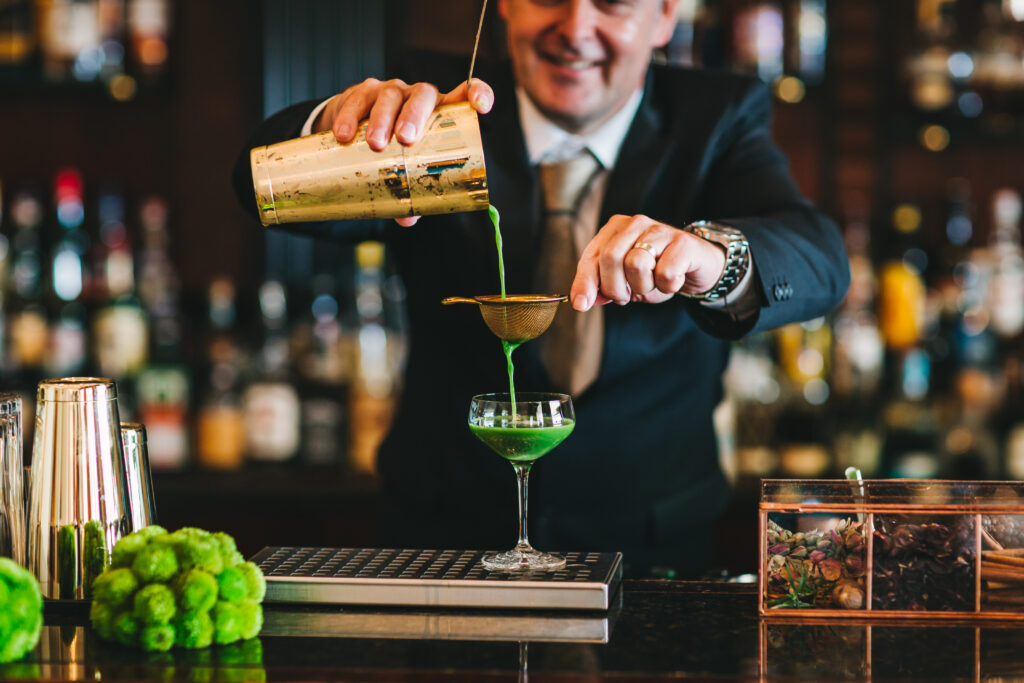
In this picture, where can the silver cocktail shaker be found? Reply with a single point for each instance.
(12, 499)
(141, 505)
(78, 491)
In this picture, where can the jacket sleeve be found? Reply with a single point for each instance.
(285, 125)
(801, 268)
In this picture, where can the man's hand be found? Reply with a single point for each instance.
(394, 108)
(613, 268)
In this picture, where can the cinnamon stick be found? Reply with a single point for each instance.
(1004, 552)
(1002, 573)
(998, 557)
(988, 538)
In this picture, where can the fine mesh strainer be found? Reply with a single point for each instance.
(517, 318)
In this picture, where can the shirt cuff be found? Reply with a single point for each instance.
(307, 129)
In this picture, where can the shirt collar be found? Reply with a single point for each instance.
(546, 141)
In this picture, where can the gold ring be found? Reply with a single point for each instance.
(649, 248)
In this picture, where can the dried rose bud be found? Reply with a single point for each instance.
(811, 540)
(855, 563)
(831, 569)
(779, 549)
(848, 595)
(799, 552)
(817, 556)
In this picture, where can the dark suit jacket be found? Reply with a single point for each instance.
(640, 471)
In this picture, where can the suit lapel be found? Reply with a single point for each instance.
(641, 160)
(641, 157)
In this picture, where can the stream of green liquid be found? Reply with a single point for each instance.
(507, 347)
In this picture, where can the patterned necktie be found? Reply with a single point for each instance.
(571, 347)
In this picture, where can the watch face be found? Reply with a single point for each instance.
(716, 230)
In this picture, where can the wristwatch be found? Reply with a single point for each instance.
(737, 257)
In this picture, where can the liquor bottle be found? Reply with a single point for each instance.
(322, 355)
(1006, 293)
(901, 295)
(163, 386)
(17, 37)
(753, 392)
(28, 324)
(858, 362)
(931, 86)
(220, 429)
(120, 329)
(911, 438)
(1011, 420)
(374, 386)
(70, 39)
(970, 448)
(811, 41)
(270, 402)
(67, 351)
(112, 42)
(758, 40)
(5, 265)
(149, 26)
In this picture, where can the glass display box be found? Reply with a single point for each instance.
(907, 548)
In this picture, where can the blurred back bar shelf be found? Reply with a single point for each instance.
(266, 370)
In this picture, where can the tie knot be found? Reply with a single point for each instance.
(565, 181)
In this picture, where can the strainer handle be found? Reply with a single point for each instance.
(449, 300)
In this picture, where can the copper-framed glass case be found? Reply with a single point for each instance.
(908, 548)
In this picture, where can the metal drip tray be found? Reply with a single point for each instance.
(433, 578)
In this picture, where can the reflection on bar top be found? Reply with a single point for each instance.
(557, 627)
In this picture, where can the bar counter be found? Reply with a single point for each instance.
(656, 630)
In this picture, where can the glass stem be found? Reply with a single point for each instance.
(522, 481)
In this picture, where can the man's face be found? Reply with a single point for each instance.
(580, 60)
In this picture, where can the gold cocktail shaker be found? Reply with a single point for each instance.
(315, 178)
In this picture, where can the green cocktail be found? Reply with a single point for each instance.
(522, 444)
(522, 432)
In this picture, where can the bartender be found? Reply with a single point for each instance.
(655, 198)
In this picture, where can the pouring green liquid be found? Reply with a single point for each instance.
(507, 347)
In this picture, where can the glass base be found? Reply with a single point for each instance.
(522, 560)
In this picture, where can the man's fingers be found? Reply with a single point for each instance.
(385, 110)
(421, 99)
(354, 109)
(479, 94)
(622, 234)
(639, 264)
(584, 292)
(674, 264)
(407, 221)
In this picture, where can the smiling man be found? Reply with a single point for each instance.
(653, 189)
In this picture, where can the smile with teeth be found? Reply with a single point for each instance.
(572, 63)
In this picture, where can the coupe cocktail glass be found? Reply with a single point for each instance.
(521, 432)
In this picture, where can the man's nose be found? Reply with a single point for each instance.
(579, 20)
